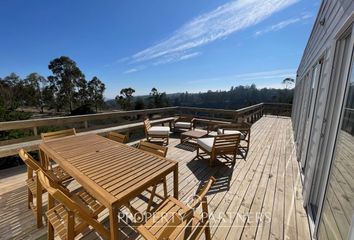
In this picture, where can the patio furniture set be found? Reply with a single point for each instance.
(230, 138)
(111, 174)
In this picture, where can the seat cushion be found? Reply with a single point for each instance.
(221, 131)
(183, 124)
(206, 143)
(156, 130)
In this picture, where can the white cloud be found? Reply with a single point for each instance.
(176, 58)
(133, 70)
(246, 78)
(283, 24)
(209, 27)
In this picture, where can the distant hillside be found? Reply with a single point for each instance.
(236, 97)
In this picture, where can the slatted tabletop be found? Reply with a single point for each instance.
(112, 172)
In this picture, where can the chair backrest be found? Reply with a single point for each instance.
(64, 198)
(117, 137)
(30, 162)
(203, 192)
(185, 118)
(33, 165)
(244, 128)
(58, 134)
(227, 143)
(147, 124)
(153, 148)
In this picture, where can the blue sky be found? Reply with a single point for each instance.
(175, 46)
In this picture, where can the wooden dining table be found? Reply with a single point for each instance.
(112, 172)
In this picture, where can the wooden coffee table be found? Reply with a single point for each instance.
(193, 135)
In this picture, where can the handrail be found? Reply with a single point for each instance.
(55, 121)
(31, 123)
(248, 114)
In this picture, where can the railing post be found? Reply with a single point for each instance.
(86, 124)
(35, 132)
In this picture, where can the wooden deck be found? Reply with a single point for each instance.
(257, 198)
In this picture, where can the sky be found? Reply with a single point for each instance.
(175, 46)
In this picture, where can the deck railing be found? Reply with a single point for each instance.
(127, 120)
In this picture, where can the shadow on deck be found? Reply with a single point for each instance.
(259, 197)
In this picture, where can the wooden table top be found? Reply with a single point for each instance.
(195, 133)
(112, 172)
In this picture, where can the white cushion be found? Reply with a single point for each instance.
(156, 130)
(206, 143)
(221, 131)
(183, 124)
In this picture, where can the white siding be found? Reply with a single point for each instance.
(313, 134)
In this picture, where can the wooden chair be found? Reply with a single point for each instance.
(220, 145)
(73, 214)
(121, 138)
(244, 129)
(34, 191)
(58, 134)
(175, 220)
(184, 122)
(162, 152)
(153, 148)
(54, 135)
(152, 132)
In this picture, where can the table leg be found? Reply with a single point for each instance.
(42, 158)
(114, 222)
(175, 182)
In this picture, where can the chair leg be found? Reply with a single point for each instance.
(70, 226)
(39, 205)
(30, 198)
(50, 235)
(151, 198)
(212, 160)
(206, 219)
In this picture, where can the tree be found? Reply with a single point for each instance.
(157, 99)
(125, 98)
(139, 104)
(12, 92)
(66, 76)
(288, 82)
(35, 86)
(82, 94)
(96, 89)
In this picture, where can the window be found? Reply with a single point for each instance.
(338, 206)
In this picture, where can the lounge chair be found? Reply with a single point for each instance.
(244, 129)
(184, 122)
(220, 145)
(153, 132)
